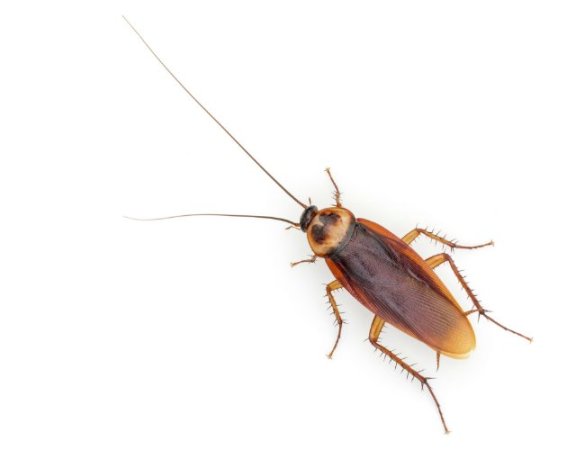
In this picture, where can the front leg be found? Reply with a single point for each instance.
(310, 260)
(337, 193)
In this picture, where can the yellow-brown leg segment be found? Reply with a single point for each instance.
(412, 235)
(334, 285)
(375, 331)
(337, 192)
(437, 260)
(310, 260)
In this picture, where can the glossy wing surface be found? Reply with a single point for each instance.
(393, 281)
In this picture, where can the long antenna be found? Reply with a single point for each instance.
(217, 215)
(211, 115)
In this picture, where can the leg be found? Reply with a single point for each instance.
(334, 285)
(412, 235)
(437, 260)
(375, 331)
(311, 260)
(337, 193)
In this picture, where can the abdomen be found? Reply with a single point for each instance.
(385, 281)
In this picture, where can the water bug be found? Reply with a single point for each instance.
(381, 271)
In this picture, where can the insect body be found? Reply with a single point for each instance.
(390, 279)
(383, 273)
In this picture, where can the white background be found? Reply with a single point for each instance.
(464, 116)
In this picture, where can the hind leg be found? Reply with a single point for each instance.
(437, 260)
(375, 331)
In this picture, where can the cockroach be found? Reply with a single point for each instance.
(381, 271)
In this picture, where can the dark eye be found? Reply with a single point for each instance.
(307, 216)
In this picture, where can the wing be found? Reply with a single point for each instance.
(390, 279)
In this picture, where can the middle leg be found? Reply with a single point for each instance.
(412, 235)
(333, 286)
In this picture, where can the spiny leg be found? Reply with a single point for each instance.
(310, 260)
(334, 285)
(412, 235)
(375, 330)
(337, 192)
(437, 260)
